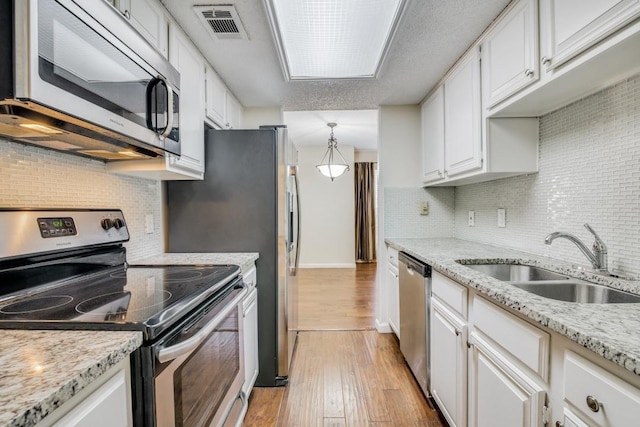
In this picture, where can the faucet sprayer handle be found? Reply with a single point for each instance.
(598, 244)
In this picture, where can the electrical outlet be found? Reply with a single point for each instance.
(472, 219)
(148, 224)
(424, 208)
(502, 217)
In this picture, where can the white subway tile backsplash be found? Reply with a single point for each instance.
(589, 172)
(32, 177)
(402, 217)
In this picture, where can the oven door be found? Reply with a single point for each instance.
(201, 368)
(69, 62)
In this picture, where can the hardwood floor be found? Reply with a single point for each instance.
(337, 298)
(342, 377)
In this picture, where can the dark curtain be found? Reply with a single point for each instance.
(365, 212)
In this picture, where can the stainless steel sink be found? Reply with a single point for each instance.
(516, 273)
(578, 291)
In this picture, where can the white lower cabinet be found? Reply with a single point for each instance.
(393, 283)
(250, 331)
(104, 403)
(448, 357)
(500, 394)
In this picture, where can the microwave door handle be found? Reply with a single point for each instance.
(167, 130)
(150, 91)
(185, 347)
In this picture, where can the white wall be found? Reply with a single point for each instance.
(252, 118)
(327, 212)
(589, 172)
(33, 177)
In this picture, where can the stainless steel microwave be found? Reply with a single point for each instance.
(78, 78)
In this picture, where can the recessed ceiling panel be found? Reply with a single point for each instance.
(333, 39)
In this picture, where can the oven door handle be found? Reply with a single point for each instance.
(185, 347)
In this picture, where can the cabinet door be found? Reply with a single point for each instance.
(449, 364)
(190, 64)
(250, 324)
(393, 285)
(433, 137)
(234, 112)
(148, 18)
(216, 109)
(510, 53)
(500, 395)
(572, 26)
(462, 117)
(105, 407)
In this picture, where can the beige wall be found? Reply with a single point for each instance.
(327, 212)
(253, 118)
(366, 156)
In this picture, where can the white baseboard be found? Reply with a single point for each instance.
(345, 265)
(383, 328)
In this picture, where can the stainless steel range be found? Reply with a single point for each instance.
(66, 269)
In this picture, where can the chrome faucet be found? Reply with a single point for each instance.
(598, 257)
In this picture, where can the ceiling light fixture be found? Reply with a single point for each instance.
(328, 166)
(333, 39)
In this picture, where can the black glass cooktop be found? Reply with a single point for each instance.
(139, 298)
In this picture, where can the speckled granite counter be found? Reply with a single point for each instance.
(244, 260)
(610, 330)
(41, 370)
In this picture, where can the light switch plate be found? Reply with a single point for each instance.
(472, 219)
(424, 208)
(502, 217)
(148, 224)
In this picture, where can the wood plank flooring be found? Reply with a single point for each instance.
(342, 377)
(337, 298)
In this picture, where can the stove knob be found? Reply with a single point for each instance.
(106, 223)
(118, 223)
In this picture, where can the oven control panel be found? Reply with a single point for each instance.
(31, 231)
(57, 227)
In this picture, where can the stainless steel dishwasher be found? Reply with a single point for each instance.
(415, 307)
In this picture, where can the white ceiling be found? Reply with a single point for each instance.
(431, 36)
(358, 128)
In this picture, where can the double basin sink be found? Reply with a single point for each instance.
(554, 285)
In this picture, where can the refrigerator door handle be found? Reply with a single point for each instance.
(294, 172)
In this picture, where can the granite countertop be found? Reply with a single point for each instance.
(41, 370)
(610, 330)
(244, 260)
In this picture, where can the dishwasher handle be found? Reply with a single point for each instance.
(414, 264)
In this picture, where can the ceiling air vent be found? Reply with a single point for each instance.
(222, 22)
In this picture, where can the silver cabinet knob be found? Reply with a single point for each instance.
(545, 60)
(528, 72)
(458, 333)
(593, 403)
(127, 14)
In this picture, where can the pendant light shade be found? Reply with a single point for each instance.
(332, 166)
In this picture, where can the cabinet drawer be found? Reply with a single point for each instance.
(619, 402)
(392, 256)
(525, 342)
(450, 292)
(250, 278)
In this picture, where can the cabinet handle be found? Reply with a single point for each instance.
(559, 424)
(469, 345)
(593, 403)
(545, 60)
(439, 173)
(127, 14)
(458, 332)
(528, 72)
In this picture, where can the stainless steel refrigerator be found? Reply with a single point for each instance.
(248, 202)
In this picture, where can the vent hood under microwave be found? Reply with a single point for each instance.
(73, 84)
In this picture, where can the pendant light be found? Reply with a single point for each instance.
(330, 166)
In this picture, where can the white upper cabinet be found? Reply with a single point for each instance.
(234, 112)
(462, 116)
(149, 19)
(216, 98)
(572, 26)
(186, 58)
(433, 137)
(510, 53)
(223, 109)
